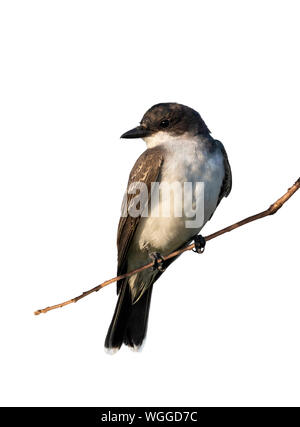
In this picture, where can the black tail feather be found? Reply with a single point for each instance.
(138, 321)
(129, 322)
(116, 331)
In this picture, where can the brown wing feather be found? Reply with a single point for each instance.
(227, 181)
(146, 169)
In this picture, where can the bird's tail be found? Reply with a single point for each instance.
(129, 322)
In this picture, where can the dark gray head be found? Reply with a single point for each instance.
(170, 117)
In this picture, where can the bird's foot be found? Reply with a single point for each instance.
(158, 261)
(199, 242)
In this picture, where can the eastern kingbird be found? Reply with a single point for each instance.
(180, 149)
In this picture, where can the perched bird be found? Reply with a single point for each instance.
(180, 149)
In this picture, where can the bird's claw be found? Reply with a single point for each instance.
(158, 261)
(199, 242)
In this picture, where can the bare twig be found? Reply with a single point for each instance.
(270, 211)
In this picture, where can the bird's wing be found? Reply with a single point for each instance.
(227, 181)
(146, 169)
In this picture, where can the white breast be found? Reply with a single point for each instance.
(186, 160)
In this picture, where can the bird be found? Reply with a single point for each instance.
(181, 149)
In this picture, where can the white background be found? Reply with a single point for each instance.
(224, 327)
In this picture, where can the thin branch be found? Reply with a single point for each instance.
(270, 211)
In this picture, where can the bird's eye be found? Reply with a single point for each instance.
(164, 123)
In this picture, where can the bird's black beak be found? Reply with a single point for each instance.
(138, 132)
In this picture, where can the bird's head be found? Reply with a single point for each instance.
(166, 121)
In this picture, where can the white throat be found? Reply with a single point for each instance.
(162, 137)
